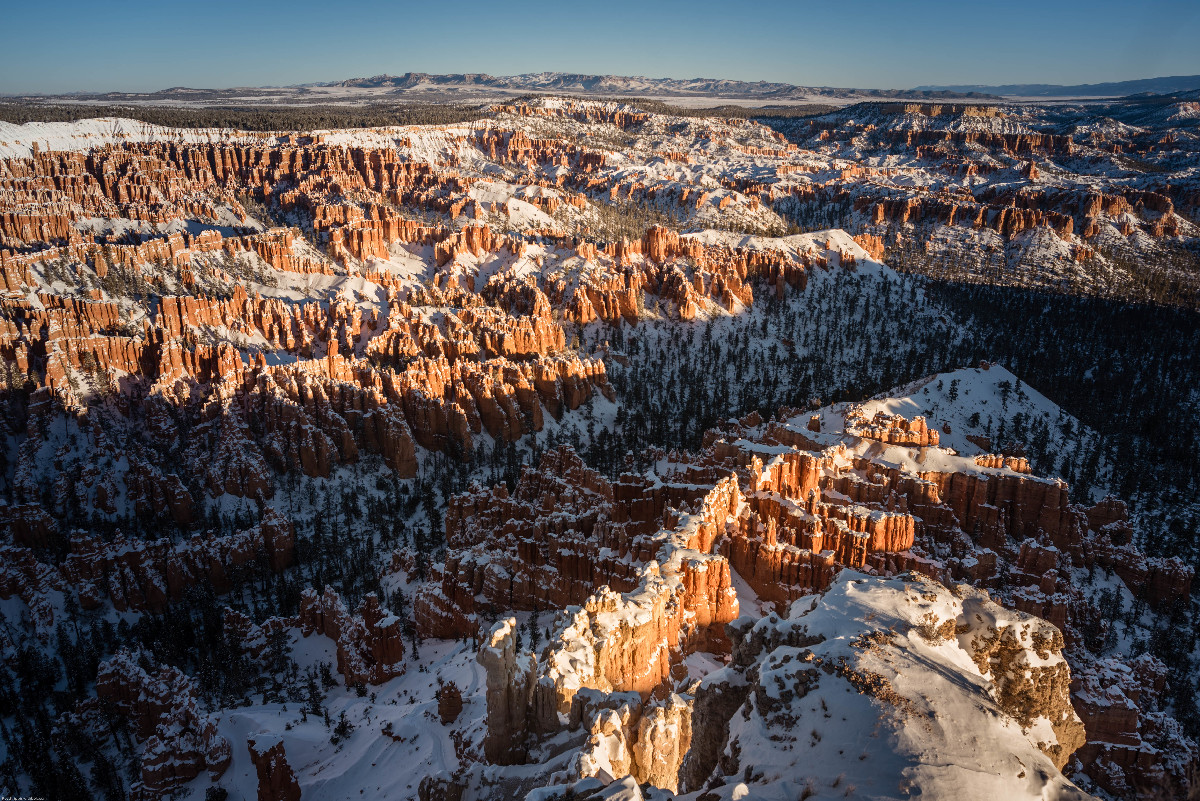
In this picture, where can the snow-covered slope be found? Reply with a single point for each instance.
(978, 410)
(393, 738)
(877, 689)
(18, 141)
(889, 689)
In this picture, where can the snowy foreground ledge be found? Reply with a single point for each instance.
(878, 688)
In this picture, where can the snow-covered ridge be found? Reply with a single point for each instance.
(18, 141)
(882, 687)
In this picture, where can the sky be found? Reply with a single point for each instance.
(56, 46)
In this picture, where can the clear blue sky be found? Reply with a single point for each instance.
(137, 45)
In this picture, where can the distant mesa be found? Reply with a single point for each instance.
(1158, 86)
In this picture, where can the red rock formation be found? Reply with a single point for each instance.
(370, 648)
(450, 703)
(1114, 700)
(1007, 220)
(892, 429)
(505, 549)
(872, 244)
(178, 741)
(156, 494)
(23, 576)
(509, 676)
(327, 380)
(679, 269)
(30, 524)
(139, 575)
(786, 525)
(276, 781)
(308, 415)
(590, 113)
(1018, 464)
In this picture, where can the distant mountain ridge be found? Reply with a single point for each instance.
(1158, 86)
(472, 86)
(622, 84)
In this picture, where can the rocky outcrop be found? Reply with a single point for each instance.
(510, 677)
(1017, 464)
(23, 576)
(1115, 699)
(1006, 220)
(339, 393)
(689, 273)
(318, 414)
(975, 178)
(158, 495)
(595, 113)
(450, 703)
(1028, 683)
(616, 642)
(509, 548)
(398, 315)
(370, 648)
(893, 429)
(791, 539)
(871, 243)
(898, 647)
(276, 780)
(178, 741)
(789, 509)
(140, 575)
(645, 741)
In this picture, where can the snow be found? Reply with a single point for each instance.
(625, 789)
(934, 731)
(700, 664)
(367, 760)
(17, 141)
(952, 400)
